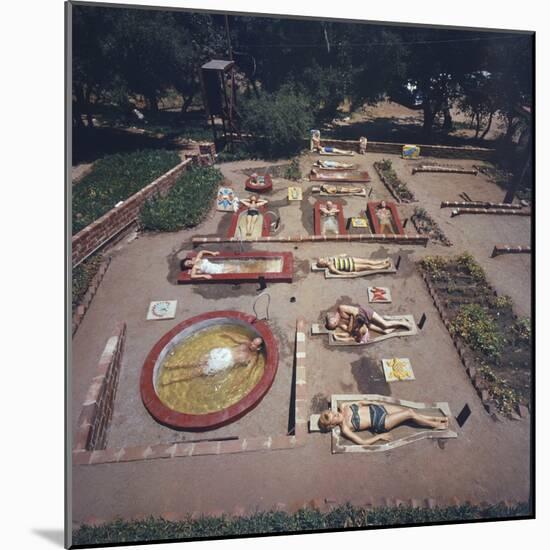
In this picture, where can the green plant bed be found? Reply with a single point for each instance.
(398, 189)
(114, 178)
(342, 517)
(498, 342)
(82, 277)
(425, 225)
(186, 204)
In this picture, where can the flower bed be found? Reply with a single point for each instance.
(425, 225)
(493, 343)
(114, 178)
(396, 187)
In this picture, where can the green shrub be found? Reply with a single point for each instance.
(293, 172)
(478, 329)
(522, 329)
(341, 517)
(468, 263)
(114, 178)
(278, 122)
(506, 397)
(186, 204)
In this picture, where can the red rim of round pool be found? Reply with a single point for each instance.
(208, 421)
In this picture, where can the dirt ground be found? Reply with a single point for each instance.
(489, 461)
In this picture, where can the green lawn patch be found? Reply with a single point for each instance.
(115, 178)
(187, 202)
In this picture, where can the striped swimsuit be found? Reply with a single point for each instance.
(345, 263)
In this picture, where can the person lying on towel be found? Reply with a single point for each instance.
(379, 419)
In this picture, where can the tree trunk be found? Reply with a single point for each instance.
(486, 131)
(152, 102)
(447, 120)
(88, 107)
(478, 124)
(428, 118)
(187, 102)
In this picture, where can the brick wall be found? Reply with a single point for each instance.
(97, 409)
(110, 224)
(440, 151)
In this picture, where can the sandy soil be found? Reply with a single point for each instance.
(145, 269)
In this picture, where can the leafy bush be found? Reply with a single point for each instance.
(240, 152)
(478, 329)
(292, 172)
(278, 122)
(186, 203)
(114, 178)
(341, 517)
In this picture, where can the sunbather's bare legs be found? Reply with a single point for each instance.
(362, 264)
(379, 324)
(250, 223)
(397, 415)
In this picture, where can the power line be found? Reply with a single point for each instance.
(395, 43)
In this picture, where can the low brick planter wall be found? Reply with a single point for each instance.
(82, 308)
(97, 410)
(438, 151)
(102, 230)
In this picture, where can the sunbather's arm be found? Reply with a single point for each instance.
(209, 253)
(200, 275)
(332, 269)
(236, 339)
(346, 432)
(342, 337)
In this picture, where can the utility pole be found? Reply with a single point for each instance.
(228, 38)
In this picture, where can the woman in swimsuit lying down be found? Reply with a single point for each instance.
(253, 205)
(344, 264)
(351, 323)
(379, 419)
(202, 268)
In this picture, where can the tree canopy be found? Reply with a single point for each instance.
(123, 52)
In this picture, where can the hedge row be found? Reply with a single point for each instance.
(186, 203)
(345, 516)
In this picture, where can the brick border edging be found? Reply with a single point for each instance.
(84, 304)
(100, 231)
(97, 409)
(437, 151)
(201, 448)
(507, 249)
(389, 187)
(492, 211)
(359, 237)
(471, 370)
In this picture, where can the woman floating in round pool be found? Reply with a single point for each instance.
(354, 323)
(344, 264)
(253, 204)
(369, 415)
(244, 353)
